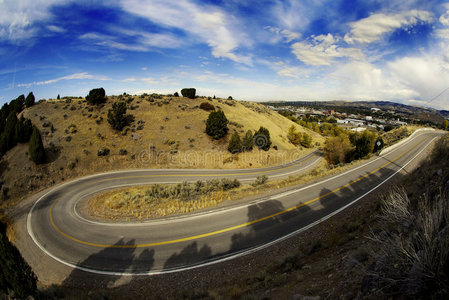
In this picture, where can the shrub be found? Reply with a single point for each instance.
(176, 94)
(96, 96)
(36, 147)
(217, 125)
(29, 101)
(337, 149)
(15, 273)
(293, 136)
(123, 152)
(103, 152)
(262, 138)
(189, 93)
(306, 140)
(207, 106)
(117, 117)
(235, 144)
(364, 143)
(248, 141)
(260, 180)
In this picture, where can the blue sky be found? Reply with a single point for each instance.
(252, 50)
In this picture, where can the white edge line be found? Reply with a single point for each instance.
(243, 253)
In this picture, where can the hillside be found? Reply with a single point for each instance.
(168, 132)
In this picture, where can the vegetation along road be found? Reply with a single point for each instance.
(57, 228)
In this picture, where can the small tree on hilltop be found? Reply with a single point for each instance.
(248, 141)
(29, 101)
(176, 94)
(262, 138)
(36, 147)
(217, 125)
(189, 93)
(96, 96)
(235, 144)
(117, 117)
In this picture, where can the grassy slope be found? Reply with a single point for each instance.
(165, 121)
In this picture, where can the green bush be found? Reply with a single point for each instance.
(36, 147)
(248, 141)
(217, 125)
(103, 152)
(235, 144)
(262, 138)
(15, 273)
(189, 93)
(260, 180)
(337, 150)
(96, 96)
(117, 117)
(364, 143)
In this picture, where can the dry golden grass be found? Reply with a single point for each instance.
(130, 203)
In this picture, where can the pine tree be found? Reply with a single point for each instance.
(15, 273)
(58, 97)
(235, 144)
(24, 129)
(10, 130)
(29, 101)
(117, 117)
(262, 138)
(248, 141)
(217, 124)
(36, 147)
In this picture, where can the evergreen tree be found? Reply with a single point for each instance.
(10, 131)
(36, 147)
(262, 138)
(58, 97)
(217, 124)
(15, 273)
(16, 105)
(96, 96)
(117, 117)
(24, 129)
(248, 141)
(189, 93)
(235, 144)
(4, 112)
(176, 94)
(29, 101)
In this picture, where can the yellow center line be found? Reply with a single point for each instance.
(199, 236)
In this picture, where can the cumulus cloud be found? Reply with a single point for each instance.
(372, 28)
(56, 29)
(322, 50)
(76, 76)
(205, 23)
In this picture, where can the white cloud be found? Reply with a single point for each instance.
(286, 34)
(444, 18)
(18, 17)
(76, 76)
(205, 23)
(129, 79)
(372, 28)
(143, 41)
(322, 50)
(144, 68)
(56, 29)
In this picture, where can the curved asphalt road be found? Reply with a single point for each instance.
(182, 243)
